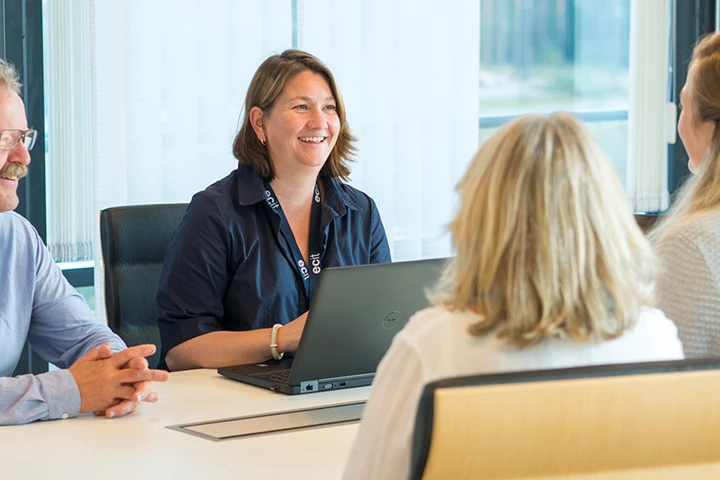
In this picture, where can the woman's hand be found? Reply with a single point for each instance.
(288, 337)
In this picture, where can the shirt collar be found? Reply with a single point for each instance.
(337, 197)
(251, 190)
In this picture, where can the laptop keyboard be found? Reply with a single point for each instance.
(281, 377)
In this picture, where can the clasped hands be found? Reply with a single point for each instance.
(114, 384)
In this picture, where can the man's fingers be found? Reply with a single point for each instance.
(142, 390)
(121, 358)
(129, 400)
(122, 408)
(144, 393)
(138, 363)
(131, 375)
(104, 351)
(125, 392)
(90, 356)
(141, 393)
(151, 398)
(115, 384)
(98, 353)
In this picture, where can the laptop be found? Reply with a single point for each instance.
(355, 313)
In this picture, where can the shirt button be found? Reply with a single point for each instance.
(65, 416)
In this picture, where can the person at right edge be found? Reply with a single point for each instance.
(688, 238)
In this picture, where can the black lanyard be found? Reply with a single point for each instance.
(310, 273)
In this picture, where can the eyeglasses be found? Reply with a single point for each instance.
(10, 139)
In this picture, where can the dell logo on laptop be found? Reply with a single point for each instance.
(392, 320)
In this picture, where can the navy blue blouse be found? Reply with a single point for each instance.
(228, 267)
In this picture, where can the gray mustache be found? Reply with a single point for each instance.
(12, 170)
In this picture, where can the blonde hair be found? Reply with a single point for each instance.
(546, 244)
(9, 78)
(265, 87)
(701, 192)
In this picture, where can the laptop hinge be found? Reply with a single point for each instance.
(307, 387)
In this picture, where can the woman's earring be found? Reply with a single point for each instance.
(262, 140)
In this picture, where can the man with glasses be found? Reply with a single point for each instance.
(98, 373)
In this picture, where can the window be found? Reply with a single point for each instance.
(424, 85)
(544, 55)
(606, 62)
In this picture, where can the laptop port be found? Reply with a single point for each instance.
(311, 386)
(342, 384)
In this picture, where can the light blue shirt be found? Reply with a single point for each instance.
(39, 305)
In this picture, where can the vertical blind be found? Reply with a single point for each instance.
(408, 71)
(69, 160)
(651, 119)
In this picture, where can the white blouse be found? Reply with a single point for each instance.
(435, 345)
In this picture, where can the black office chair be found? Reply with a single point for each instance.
(134, 240)
(557, 423)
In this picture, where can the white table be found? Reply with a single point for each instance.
(139, 446)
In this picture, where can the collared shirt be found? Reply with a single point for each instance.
(228, 267)
(39, 305)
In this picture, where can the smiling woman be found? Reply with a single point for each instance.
(240, 273)
(299, 83)
(301, 130)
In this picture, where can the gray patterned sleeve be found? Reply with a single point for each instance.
(687, 291)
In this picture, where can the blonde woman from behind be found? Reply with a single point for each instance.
(550, 271)
(688, 240)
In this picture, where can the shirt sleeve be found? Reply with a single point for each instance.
(687, 292)
(47, 396)
(382, 447)
(379, 249)
(194, 277)
(62, 327)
